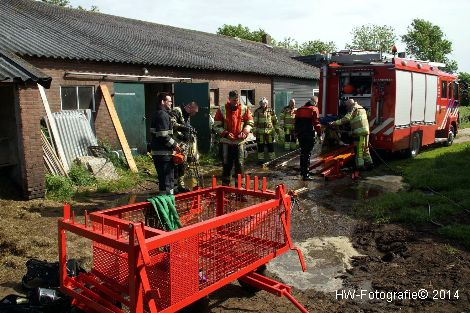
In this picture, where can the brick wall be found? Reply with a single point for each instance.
(223, 81)
(30, 112)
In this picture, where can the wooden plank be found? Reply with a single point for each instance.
(118, 128)
(51, 157)
(54, 130)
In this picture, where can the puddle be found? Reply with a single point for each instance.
(326, 258)
(359, 191)
(368, 188)
(390, 183)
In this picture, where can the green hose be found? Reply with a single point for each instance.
(165, 209)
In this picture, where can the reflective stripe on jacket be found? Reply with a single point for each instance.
(357, 118)
(162, 132)
(287, 117)
(264, 121)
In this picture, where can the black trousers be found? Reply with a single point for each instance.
(306, 144)
(165, 172)
(232, 155)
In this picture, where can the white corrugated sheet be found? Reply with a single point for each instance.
(75, 133)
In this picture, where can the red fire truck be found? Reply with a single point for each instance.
(410, 103)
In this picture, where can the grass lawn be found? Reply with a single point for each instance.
(438, 193)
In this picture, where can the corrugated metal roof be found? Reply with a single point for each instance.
(15, 69)
(75, 134)
(37, 29)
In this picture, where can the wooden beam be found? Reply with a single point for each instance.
(118, 128)
(54, 130)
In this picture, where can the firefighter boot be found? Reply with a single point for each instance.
(286, 145)
(271, 156)
(293, 145)
(260, 158)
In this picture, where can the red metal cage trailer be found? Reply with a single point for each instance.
(410, 103)
(228, 233)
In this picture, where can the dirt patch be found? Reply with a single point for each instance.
(463, 135)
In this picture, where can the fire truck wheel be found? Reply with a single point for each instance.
(249, 288)
(450, 136)
(415, 145)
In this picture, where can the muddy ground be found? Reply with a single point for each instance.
(343, 253)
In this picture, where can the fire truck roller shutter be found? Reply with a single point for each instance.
(403, 98)
(418, 101)
(431, 99)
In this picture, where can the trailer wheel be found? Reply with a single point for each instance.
(415, 145)
(450, 136)
(249, 288)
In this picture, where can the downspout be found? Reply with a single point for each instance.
(323, 98)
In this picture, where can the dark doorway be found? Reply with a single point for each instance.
(9, 156)
(199, 92)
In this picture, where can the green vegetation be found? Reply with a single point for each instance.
(427, 41)
(464, 113)
(59, 187)
(81, 181)
(373, 37)
(66, 3)
(305, 48)
(438, 193)
(458, 232)
(464, 82)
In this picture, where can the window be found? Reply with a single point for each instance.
(450, 91)
(247, 96)
(456, 91)
(77, 97)
(356, 84)
(214, 97)
(443, 89)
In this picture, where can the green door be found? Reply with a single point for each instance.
(281, 99)
(199, 92)
(129, 100)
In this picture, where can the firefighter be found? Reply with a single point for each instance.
(307, 125)
(232, 122)
(357, 118)
(265, 124)
(163, 145)
(287, 119)
(185, 134)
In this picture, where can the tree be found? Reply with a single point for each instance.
(242, 32)
(288, 43)
(61, 3)
(426, 41)
(373, 37)
(317, 46)
(464, 83)
(66, 3)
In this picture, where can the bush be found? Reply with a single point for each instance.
(59, 187)
(80, 176)
(464, 116)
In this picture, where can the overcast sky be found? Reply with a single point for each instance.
(303, 20)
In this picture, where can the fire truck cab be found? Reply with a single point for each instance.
(410, 103)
